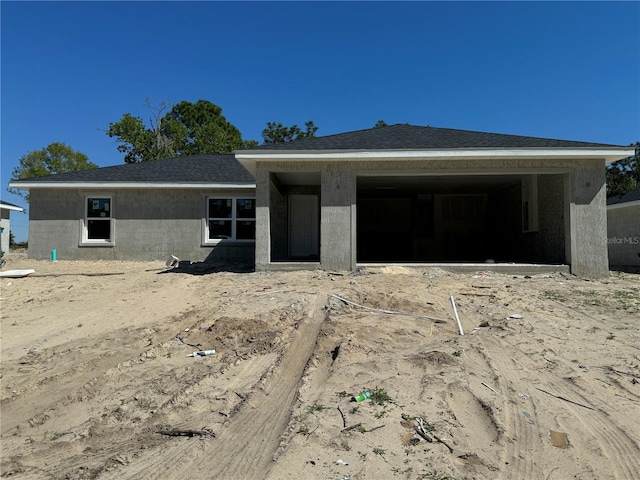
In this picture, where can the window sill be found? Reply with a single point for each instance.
(227, 242)
(97, 244)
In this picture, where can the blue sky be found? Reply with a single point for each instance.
(567, 70)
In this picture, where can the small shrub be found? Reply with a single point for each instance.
(379, 396)
(379, 451)
(316, 407)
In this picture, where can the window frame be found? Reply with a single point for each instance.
(85, 241)
(234, 219)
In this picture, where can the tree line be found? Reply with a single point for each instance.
(188, 128)
(185, 128)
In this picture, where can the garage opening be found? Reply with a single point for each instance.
(468, 219)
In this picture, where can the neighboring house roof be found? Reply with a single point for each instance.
(403, 137)
(628, 199)
(10, 206)
(195, 171)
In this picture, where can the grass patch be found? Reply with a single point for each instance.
(315, 408)
(434, 476)
(551, 295)
(379, 396)
(379, 451)
(380, 414)
(406, 471)
(627, 300)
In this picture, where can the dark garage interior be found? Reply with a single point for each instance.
(471, 218)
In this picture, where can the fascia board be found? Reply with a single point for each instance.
(131, 185)
(609, 154)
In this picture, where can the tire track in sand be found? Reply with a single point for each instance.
(254, 433)
(245, 447)
(519, 437)
(621, 451)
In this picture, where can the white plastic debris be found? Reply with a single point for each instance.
(172, 261)
(516, 316)
(202, 353)
(341, 462)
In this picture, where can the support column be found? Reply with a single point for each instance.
(263, 224)
(585, 203)
(337, 222)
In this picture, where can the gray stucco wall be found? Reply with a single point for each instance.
(623, 235)
(579, 204)
(551, 235)
(585, 194)
(278, 220)
(337, 224)
(149, 224)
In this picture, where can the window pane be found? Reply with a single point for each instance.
(99, 229)
(219, 229)
(99, 207)
(220, 208)
(246, 208)
(246, 230)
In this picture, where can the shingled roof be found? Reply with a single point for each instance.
(411, 137)
(217, 169)
(632, 196)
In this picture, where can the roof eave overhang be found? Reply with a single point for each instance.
(248, 158)
(132, 185)
(11, 207)
(615, 206)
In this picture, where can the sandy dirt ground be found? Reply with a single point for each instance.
(96, 381)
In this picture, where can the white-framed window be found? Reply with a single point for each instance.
(230, 218)
(97, 227)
